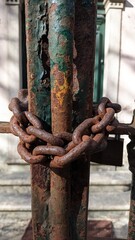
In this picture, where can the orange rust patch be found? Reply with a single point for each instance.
(61, 90)
(62, 86)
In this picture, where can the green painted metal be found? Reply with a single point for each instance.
(74, 180)
(99, 57)
(23, 47)
(39, 104)
(61, 24)
(37, 57)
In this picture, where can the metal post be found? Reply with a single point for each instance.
(39, 104)
(61, 23)
(131, 158)
(63, 215)
(85, 33)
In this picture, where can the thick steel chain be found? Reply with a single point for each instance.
(37, 145)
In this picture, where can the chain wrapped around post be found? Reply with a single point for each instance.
(39, 146)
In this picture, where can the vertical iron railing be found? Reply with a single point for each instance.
(39, 103)
(60, 197)
(61, 24)
(131, 159)
(84, 36)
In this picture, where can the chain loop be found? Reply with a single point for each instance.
(27, 155)
(38, 146)
(45, 136)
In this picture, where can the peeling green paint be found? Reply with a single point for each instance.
(37, 28)
(61, 23)
(39, 104)
(61, 60)
(61, 36)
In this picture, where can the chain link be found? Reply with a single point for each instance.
(39, 146)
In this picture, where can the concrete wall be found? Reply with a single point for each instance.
(9, 72)
(126, 96)
(119, 72)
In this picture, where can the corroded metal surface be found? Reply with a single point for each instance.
(37, 57)
(131, 159)
(84, 52)
(61, 23)
(131, 227)
(36, 143)
(39, 104)
(62, 216)
(85, 33)
(83, 91)
(5, 127)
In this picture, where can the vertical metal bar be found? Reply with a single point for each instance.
(85, 34)
(131, 159)
(61, 23)
(39, 104)
(64, 225)
(131, 226)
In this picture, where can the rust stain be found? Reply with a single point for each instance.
(61, 85)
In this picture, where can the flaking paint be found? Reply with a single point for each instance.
(37, 29)
(39, 103)
(61, 21)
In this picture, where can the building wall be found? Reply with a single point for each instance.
(9, 72)
(126, 96)
(119, 71)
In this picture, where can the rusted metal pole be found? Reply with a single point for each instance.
(59, 221)
(84, 57)
(5, 127)
(131, 159)
(61, 24)
(131, 225)
(39, 104)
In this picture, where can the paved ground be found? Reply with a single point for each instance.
(108, 200)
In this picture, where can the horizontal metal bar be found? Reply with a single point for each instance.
(5, 127)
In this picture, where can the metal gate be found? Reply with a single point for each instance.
(58, 126)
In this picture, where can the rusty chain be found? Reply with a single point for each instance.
(37, 145)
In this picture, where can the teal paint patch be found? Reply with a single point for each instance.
(39, 93)
(63, 10)
(36, 24)
(61, 36)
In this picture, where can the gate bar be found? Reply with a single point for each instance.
(84, 36)
(61, 25)
(36, 13)
(39, 104)
(131, 159)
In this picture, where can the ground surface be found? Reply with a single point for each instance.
(109, 201)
